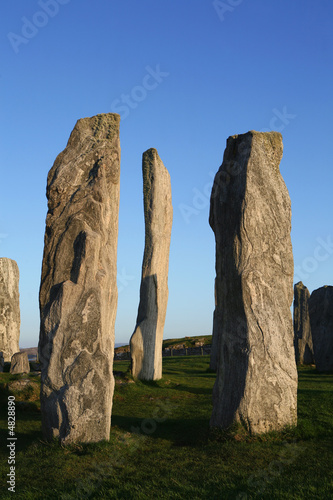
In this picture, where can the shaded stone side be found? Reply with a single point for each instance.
(302, 329)
(19, 363)
(321, 320)
(9, 308)
(146, 341)
(250, 214)
(213, 362)
(78, 292)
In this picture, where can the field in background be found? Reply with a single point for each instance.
(121, 347)
(161, 446)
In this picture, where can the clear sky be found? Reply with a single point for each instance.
(184, 75)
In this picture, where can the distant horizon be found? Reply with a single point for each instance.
(117, 344)
(36, 347)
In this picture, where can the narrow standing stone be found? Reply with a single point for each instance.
(78, 293)
(302, 328)
(146, 341)
(250, 214)
(321, 319)
(9, 308)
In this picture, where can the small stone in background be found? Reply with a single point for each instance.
(20, 363)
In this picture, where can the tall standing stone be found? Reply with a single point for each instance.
(78, 292)
(213, 362)
(9, 308)
(302, 328)
(146, 341)
(321, 319)
(250, 214)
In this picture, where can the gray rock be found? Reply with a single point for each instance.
(20, 363)
(9, 308)
(213, 362)
(21, 384)
(2, 362)
(321, 319)
(35, 366)
(302, 328)
(146, 341)
(250, 214)
(78, 292)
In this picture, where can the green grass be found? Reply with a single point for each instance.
(161, 446)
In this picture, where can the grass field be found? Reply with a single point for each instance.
(161, 446)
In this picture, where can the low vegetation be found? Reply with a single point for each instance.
(177, 343)
(161, 446)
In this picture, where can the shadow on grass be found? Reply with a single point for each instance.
(304, 371)
(160, 385)
(193, 390)
(180, 432)
(316, 393)
(23, 439)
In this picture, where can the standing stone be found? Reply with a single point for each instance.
(321, 319)
(20, 363)
(146, 341)
(213, 362)
(302, 329)
(78, 292)
(250, 214)
(9, 308)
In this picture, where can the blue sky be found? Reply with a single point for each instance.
(184, 76)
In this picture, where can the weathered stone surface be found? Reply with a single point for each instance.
(146, 341)
(321, 320)
(250, 214)
(2, 362)
(20, 363)
(9, 308)
(35, 367)
(302, 328)
(78, 293)
(20, 385)
(213, 362)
